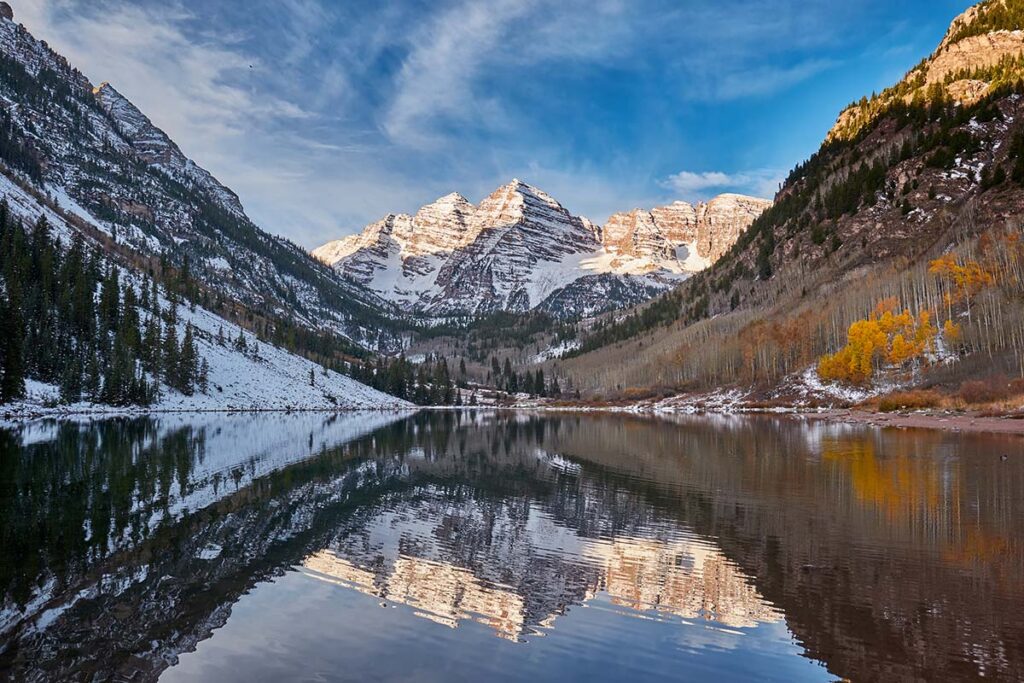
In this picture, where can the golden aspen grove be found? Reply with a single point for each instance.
(893, 339)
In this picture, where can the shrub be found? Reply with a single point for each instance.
(995, 388)
(910, 400)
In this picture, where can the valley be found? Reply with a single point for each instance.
(905, 222)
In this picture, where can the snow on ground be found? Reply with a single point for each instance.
(556, 351)
(809, 385)
(277, 380)
(67, 203)
(25, 206)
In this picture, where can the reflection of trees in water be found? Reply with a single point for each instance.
(883, 549)
(127, 608)
(69, 501)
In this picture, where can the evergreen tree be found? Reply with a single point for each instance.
(188, 363)
(11, 357)
(12, 384)
(204, 376)
(169, 348)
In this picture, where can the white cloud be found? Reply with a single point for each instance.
(197, 91)
(698, 186)
(760, 80)
(436, 83)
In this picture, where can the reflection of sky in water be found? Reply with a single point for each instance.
(329, 633)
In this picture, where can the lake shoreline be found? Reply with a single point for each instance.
(952, 422)
(971, 422)
(30, 414)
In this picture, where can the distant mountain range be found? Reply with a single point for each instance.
(520, 250)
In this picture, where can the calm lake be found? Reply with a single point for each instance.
(503, 546)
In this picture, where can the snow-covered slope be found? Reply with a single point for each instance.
(270, 379)
(155, 148)
(519, 249)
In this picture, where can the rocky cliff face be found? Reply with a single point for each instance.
(519, 249)
(979, 41)
(156, 149)
(707, 230)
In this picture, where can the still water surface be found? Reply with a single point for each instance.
(490, 546)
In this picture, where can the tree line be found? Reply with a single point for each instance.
(70, 318)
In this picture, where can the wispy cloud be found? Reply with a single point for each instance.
(760, 81)
(324, 115)
(438, 79)
(201, 84)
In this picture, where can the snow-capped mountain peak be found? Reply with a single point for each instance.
(520, 249)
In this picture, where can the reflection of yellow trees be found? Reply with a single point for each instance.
(899, 485)
(916, 493)
(977, 546)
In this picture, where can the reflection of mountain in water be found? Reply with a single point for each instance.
(891, 555)
(529, 566)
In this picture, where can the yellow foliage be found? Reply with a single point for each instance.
(966, 279)
(951, 331)
(896, 337)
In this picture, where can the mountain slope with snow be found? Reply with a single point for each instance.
(519, 250)
(263, 377)
(93, 147)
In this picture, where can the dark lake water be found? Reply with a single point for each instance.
(497, 546)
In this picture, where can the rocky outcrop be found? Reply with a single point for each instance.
(156, 149)
(707, 229)
(975, 52)
(959, 54)
(721, 221)
(519, 249)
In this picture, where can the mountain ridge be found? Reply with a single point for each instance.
(912, 182)
(91, 146)
(519, 249)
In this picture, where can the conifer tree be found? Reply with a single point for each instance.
(187, 363)
(204, 376)
(169, 349)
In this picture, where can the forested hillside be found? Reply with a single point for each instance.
(911, 206)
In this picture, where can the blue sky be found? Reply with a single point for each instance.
(324, 116)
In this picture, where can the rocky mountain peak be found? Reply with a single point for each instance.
(707, 230)
(154, 147)
(520, 249)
